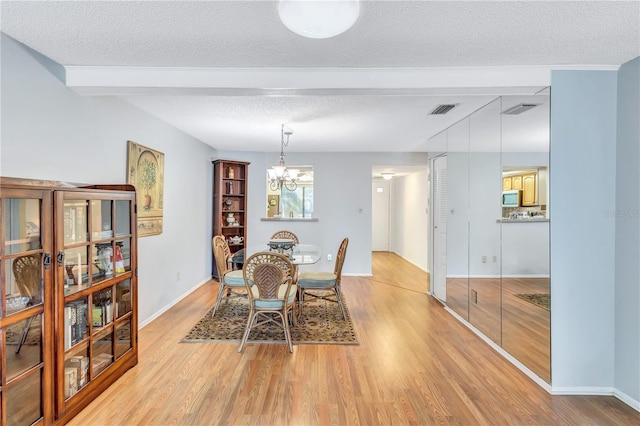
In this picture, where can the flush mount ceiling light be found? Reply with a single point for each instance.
(319, 18)
(387, 176)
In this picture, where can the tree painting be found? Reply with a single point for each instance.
(148, 177)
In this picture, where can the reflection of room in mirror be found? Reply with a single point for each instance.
(498, 247)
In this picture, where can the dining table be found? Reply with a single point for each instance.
(298, 254)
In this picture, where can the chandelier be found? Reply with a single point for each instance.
(279, 176)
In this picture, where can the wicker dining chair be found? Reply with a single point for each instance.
(317, 281)
(231, 282)
(28, 272)
(288, 235)
(271, 293)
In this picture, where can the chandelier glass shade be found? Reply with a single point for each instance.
(279, 176)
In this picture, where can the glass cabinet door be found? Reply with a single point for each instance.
(94, 266)
(25, 387)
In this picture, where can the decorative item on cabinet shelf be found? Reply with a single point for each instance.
(227, 204)
(231, 219)
(230, 188)
(230, 173)
(236, 239)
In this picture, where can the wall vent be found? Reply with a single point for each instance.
(443, 109)
(519, 109)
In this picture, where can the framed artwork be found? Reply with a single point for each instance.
(146, 172)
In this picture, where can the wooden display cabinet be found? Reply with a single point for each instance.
(82, 240)
(230, 204)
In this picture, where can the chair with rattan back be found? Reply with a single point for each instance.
(27, 271)
(269, 280)
(231, 282)
(323, 281)
(285, 235)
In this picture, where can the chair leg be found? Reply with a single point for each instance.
(218, 299)
(300, 301)
(25, 331)
(287, 333)
(340, 303)
(245, 336)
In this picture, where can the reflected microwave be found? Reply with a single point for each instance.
(512, 198)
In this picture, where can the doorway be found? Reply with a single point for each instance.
(380, 215)
(439, 209)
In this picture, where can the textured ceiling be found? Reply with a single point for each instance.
(388, 34)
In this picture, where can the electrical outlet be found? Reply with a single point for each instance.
(484, 259)
(177, 276)
(474, 296)
(495, 258)
(329, 257)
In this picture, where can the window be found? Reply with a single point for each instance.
(285, 201)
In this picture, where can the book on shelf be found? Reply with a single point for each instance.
(75, 322)
(81, 364)
(70, 382)
(96, 316)
(119, 260)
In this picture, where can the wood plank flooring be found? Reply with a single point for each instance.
(415, 365)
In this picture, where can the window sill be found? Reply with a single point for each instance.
(289, 219)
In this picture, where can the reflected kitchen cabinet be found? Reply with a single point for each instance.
(507, 183)
(529, 190)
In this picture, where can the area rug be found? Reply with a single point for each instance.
(34, 335)
(321, 323)
(539, 299)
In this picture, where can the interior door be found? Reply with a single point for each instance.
(440, 228)
(380, 216)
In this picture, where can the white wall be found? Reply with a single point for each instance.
(525, 249)
(409, 219)
(342, 201)
(627, 222)
(50, 132)
(582, 177)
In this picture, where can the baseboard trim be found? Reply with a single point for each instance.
(520, 366)
(171, 304)
(599, 391)
(580, 390)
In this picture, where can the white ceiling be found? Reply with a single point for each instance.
(368, 89)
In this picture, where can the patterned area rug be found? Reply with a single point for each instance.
(321, 323)
(540, 299)
(34, 336)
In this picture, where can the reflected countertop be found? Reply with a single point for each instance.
(528, 220)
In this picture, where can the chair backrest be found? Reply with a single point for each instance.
(221, 253)
(342, 253)
(267, 271)
(286, 235)
(27, 271)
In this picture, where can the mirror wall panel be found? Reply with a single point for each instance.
(496, 256)
(484, 227)
(526, 318)
(458, 218)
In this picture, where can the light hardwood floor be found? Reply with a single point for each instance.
(415, 365)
